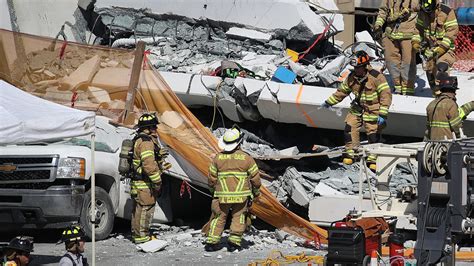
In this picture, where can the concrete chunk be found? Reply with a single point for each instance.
(98, 95)
(325, 190)
(241, 33)
(152, 246)
(298, 194)
(83, 74)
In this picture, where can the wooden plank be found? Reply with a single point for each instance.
(128, 118)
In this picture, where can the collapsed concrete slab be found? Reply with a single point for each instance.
(264, 14)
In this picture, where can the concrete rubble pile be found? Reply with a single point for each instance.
(174, 239)
(338, 179)
(187, 45)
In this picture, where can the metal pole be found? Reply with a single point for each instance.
(93, 196)
(361, 196)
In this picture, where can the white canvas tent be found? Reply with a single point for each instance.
(25, 118)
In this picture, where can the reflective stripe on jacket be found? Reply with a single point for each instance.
(234, 177)
(438, 30)
(400, 18)
(375, 99)
(145, 165)
(443, 117)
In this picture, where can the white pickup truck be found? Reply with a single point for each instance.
(47, 185)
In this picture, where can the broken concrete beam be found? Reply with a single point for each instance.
(264, 14)
(318, 211)
(243, 34)
(82, 75)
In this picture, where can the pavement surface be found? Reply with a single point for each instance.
(185, 247)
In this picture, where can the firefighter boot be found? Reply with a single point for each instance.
(211, 247)
(348, 161)
(233, 247)
(372, 166)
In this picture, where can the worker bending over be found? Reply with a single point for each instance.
(399, 16)
(436, 32)
(234, 180)
(372, 99)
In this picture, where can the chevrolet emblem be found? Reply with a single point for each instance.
(7, 168)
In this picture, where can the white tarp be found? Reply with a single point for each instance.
(25, 118)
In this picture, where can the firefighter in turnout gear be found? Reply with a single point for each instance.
(17, 253)
(148, 165)
(74, 239)
(372, 99)
(399, 16)
(443, 118)
(437, 28)
(234, 181)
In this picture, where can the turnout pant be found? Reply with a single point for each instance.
(401, 65)
(352, 135)
(143, 209)
(433, 66)
(219, 217)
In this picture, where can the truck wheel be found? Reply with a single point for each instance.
(105, 214)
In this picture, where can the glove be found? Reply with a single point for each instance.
(164, 152)
(165, 165)
(416, 46)
(439, 51)
(429, 54)
(326, 105)
(381, 120)
(378, 33)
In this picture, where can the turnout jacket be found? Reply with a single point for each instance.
(438, 29)
(373, 94)
(145, 164)
(234, 177)
(400, 18)
(443, 117)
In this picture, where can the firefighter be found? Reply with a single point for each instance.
(436, 32)
(17, 253)
(399, 16)
(148, 166)
(234, 181)
(74, 239)
(369, 108)
(443, 118)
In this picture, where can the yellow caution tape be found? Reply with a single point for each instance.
(276, 257)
